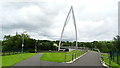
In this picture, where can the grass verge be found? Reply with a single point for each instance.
(0, 61)
(11, 60)
(107, 61)
(60, 56)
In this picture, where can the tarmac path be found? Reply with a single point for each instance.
(89, 59)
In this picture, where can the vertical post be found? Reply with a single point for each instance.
(75, 55)
(110, 59)
(65, 56)
(72, 56)
(22, 42)
(36, 47)
(78, 54)
(113, 55)
(117, 57)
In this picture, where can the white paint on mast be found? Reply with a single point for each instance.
(67, 18)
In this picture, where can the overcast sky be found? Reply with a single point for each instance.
(97, 20)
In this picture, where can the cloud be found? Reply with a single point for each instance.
(96, 20)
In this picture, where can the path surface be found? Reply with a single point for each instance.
(90, 59)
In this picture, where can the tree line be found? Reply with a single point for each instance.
(14, 43)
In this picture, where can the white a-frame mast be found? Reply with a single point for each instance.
(70, 11)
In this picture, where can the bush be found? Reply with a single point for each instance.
(31, 51)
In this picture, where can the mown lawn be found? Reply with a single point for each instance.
(60, 56)
(0, 61)
(107, 61)
(11, 60)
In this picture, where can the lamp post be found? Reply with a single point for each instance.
(23, 41)
(36, 46)
(92, 46)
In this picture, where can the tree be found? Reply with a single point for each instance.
(6, 37)
(117, 42)
(46, 45)
(13, 43)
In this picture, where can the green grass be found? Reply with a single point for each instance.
(107, 61)
(60, 56)
(11, 60)
(0, 61)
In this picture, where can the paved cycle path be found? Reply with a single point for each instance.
(89, 59)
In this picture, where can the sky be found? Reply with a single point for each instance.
(96, 20)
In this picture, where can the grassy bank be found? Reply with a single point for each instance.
(107, 61)
(60, 57)
(0, 61)
(11, 60)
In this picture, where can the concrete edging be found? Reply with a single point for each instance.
(103, 63)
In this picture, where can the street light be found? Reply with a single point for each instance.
(23, 41)
(36, 46)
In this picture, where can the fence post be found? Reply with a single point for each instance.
(2, 53)
(9, 53)
(110, 56)
(76, 55)
(117, 57)
(65, 56)
(72, 56)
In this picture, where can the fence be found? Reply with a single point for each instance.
(72, 56)
(17, 51)
(112, 58)
(10, 53)
(115, 56)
